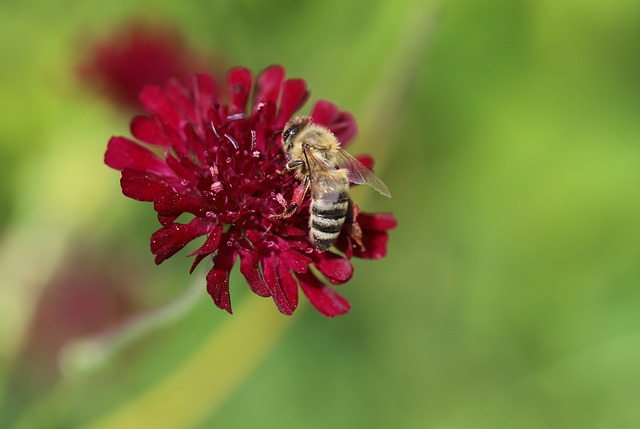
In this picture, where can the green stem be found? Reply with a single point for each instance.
(387, 103)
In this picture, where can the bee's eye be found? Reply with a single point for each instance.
(290, 132)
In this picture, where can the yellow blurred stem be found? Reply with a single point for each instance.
(198, 387)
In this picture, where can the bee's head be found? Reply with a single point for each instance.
(292, 129)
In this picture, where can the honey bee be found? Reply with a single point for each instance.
(319, 163)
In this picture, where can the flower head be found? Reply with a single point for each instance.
(222, 163)
(135, 55)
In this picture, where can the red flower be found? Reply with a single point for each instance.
(138, 54)
(83, 298)
(223, 164)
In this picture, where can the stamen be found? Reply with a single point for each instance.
(266, 231)
(235, 117)
(281, 200)
(214, 172)
(254, 138)
(213, 127)
(232, 140)
(216, 187)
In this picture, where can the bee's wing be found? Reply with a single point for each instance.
(360, 174)
(324, 185)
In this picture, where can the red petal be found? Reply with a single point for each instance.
(278, 291)
(345, 127)
(324, 112)
(167, 241)
(249, 267)
(341, 123)
(184, 169)
(167, 220)
(154, 99)
(294, 95)
(211, 243)
(295, 260)
(146, 129)
(322, 297)
(335, 268)
(270, 82)
(366, 160)
(180, 99)
(218, 277)
(195, 143)
(218, 288)
(377, 222)
(289, 286)
(375, 244)
(254, 236)
(142, 186)
(205, 94)
(291, 231)
(172, 203)
(239, 81)
(123, 153)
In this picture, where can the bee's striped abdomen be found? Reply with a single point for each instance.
(326, 220)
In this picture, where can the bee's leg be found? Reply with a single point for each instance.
(293, 164)
(298, 197)
(351, 225)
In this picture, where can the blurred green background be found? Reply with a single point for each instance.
(509, 135)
